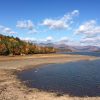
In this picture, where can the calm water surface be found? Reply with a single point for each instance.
(97, 54)
(75, 78)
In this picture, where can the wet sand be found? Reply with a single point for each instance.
(12, 88)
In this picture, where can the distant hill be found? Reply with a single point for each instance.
(67, 48)
(87, 48)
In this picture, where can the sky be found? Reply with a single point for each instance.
(72, 22)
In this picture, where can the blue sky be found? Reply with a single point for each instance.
(73, 22)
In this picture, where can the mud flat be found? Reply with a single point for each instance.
(11, 88)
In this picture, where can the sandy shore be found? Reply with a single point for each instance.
(12, 89)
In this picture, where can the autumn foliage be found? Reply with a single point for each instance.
(15, 46)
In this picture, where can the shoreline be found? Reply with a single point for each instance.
(11, 88)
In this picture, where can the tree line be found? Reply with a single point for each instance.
(14, 46)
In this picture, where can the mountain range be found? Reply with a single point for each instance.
(68, 48)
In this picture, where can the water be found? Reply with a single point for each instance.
(97, 54)
(80, 78)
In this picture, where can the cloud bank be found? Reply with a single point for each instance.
(28, 25)
(62, 23)
(89, 28)
(6, 30)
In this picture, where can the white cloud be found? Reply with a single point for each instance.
(28, 25)
(94, 41)
(91, 41)
(25, 24)
(6, 30)
(90, 32)
(62, 23)
(49, 38)
(32, 39)
(64, 39)
(67, 41)
(28, 39)
(33, 31)
(90, 29)
(55, 24)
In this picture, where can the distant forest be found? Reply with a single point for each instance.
(14, 46)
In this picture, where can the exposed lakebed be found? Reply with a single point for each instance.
(80, 78)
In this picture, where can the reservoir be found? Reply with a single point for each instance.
(97, 54)
(80, 78)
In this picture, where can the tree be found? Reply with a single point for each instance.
(15, 46)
